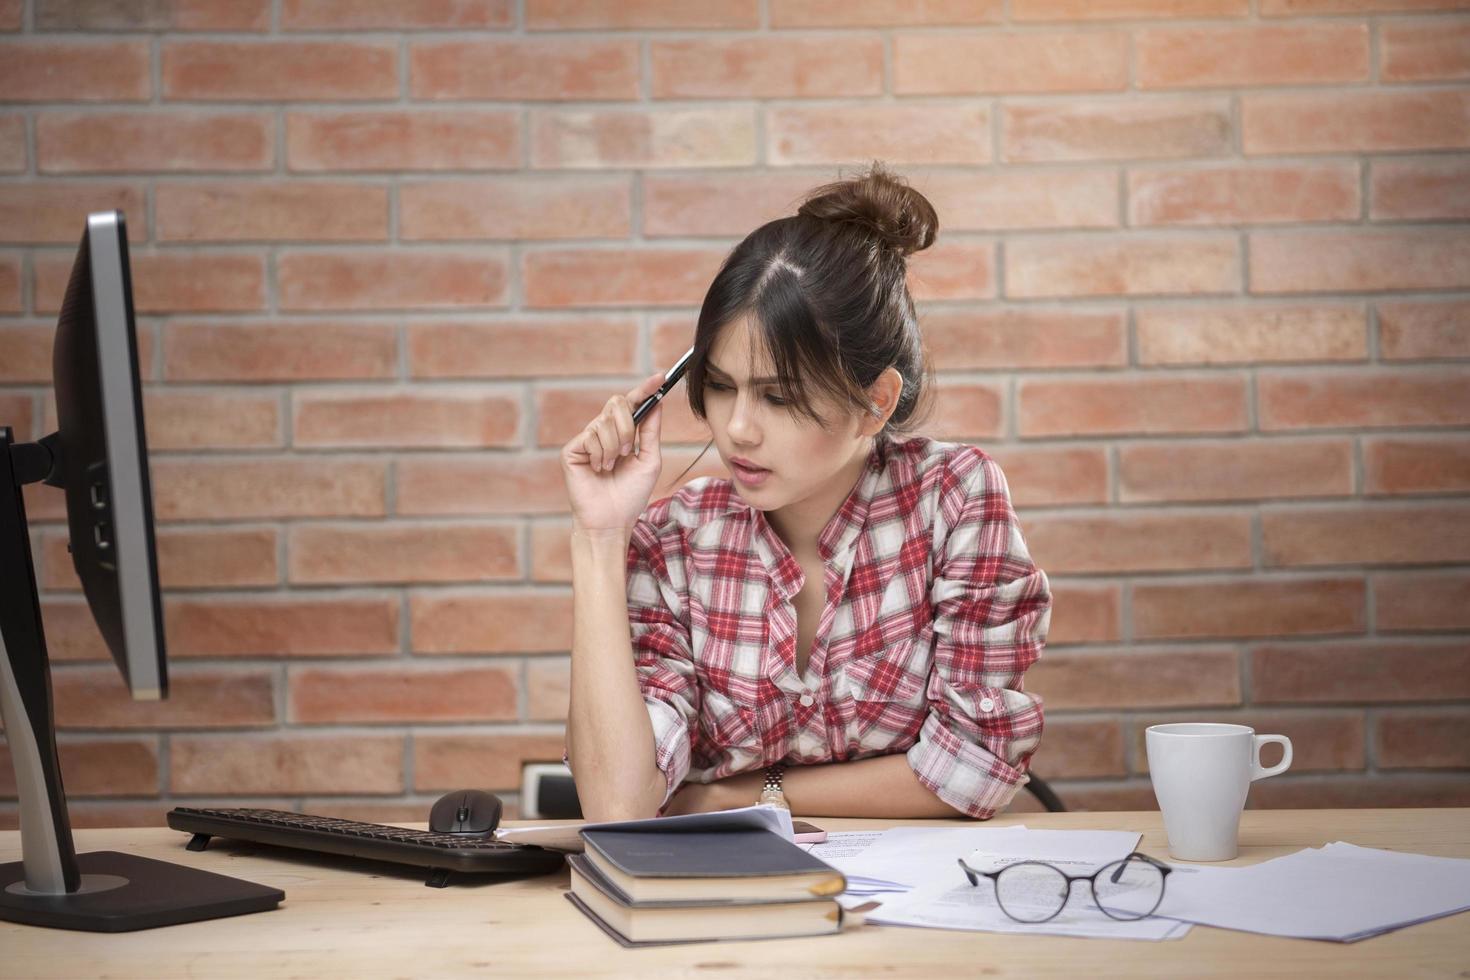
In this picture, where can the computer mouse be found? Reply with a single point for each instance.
(465, 811)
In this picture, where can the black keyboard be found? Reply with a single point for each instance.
(440, 853)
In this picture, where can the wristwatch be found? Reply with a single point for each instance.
(771, 790)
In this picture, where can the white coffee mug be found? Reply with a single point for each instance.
(1201, 774)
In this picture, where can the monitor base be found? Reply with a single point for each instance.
(152, 894)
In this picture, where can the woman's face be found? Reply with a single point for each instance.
(777, 457)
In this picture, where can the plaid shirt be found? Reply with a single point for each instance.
(933, 612)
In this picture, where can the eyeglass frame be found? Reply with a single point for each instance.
(1164, 871)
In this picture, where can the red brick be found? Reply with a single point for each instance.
(1249, 334)
(1121, 266)
(1132, 404)
(430, 485)
(1424, 331)
(1081, 748)
(200, 558)
(282, 626)
(1154, 128)
(1254, 194)
(911, 132)
(491, 622)
(395, 280)
(1419, 190)
(438, 418)
(169, 282)
(767, 67)
(1294, 8)
(1137, 679)
(95, 698)
(37, 70)
(618, 277)
(1423, 465)
(1085, 613)
(180, 420)
(11, 12)
(287, 764)
(579, 69)
(1108, 796)
(27, 349)
(1362, 399)
(1045, 476)
(1358, 261)
(44, 503)
(548, 687)
(562, 412)
(176, 15)
(328, 695)
(391, 15)
(1354, 121)
(18, 412)
(1235, 470)
(515, 208)
(175, 140)
(281, 350)
(884, 13)
(1420, 601)
(1021, 338)
(375, 811)
(394, 139)
(1021, 198)
(355, 554)
(524, 348)
(442, 762)
(627, 138)
(1293, 54)
(551, 554)
(965, 412)
(10, 297)
(562, 15)
(1423, 50)
(1131, 542)
(1322, 740)
(955, 268)
(1374, 673)
(1249, 607)
(279, 71)
(44, 212)
(71, 632)
(1377, 534)
(12, 143)
(1125, 9)
(267, 488)
(1371, 792)
(1005, 63)
(727, 204)
(247, 211)
(97, 767)
(1424, 739)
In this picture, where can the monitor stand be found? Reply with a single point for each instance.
(105, 891)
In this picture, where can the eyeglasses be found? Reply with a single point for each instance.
(1034, 891)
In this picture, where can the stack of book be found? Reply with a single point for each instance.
(648, 888)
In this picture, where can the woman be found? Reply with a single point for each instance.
(846, 623)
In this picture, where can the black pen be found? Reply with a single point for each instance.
(672, 378)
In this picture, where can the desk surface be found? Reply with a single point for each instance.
(351, 918)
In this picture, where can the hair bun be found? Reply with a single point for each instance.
(881, 203)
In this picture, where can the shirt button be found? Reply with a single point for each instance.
(986, 704)
(807, 700)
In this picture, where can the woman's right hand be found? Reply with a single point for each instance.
(610, 487)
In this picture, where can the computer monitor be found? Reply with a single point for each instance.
(99, 458)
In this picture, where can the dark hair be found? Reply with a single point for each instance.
(827, 289)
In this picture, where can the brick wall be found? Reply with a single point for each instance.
(1203, 287)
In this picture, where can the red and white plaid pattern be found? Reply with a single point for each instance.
(933, 612)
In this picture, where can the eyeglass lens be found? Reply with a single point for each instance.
(1031, 892)
(1128, 889)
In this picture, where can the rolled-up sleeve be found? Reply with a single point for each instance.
(992, 608)
(662, 652)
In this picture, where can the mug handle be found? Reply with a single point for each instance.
(1259, 773)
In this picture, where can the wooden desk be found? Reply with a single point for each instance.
(353, 919)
